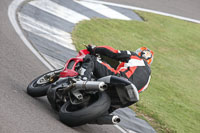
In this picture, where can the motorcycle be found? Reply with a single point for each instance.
(80, 102)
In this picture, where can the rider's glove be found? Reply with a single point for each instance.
(90, 48)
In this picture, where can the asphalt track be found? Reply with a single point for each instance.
(185, 8)
(22, 113)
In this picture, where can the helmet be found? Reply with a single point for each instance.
(145, 54)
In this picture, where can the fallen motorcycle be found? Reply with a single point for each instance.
(80, 102)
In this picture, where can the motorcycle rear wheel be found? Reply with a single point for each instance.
(87, 114)
(38, 87)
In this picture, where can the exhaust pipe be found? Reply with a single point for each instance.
(107, 119)
(91, 85)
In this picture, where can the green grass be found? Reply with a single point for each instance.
(172, 101)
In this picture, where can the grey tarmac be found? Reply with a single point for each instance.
(20, 113)
(185, 8)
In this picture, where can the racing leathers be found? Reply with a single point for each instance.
(131, 66)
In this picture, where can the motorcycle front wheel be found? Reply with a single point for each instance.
(72, 116)
(39, 86)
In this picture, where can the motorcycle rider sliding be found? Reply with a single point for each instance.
(134, 66)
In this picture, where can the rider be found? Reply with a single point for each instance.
(134, 66)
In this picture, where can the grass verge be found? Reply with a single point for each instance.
(171, 103)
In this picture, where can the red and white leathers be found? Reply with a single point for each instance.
(131, 67)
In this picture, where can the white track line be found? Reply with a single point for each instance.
(41, 29)
(104, 10)
(122, 130)
(141, 9)
(12, 9)
(58, 10)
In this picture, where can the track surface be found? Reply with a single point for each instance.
(21, 113)
(185, 8)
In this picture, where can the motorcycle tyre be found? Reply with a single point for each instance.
(39, 91)
(87, 114)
